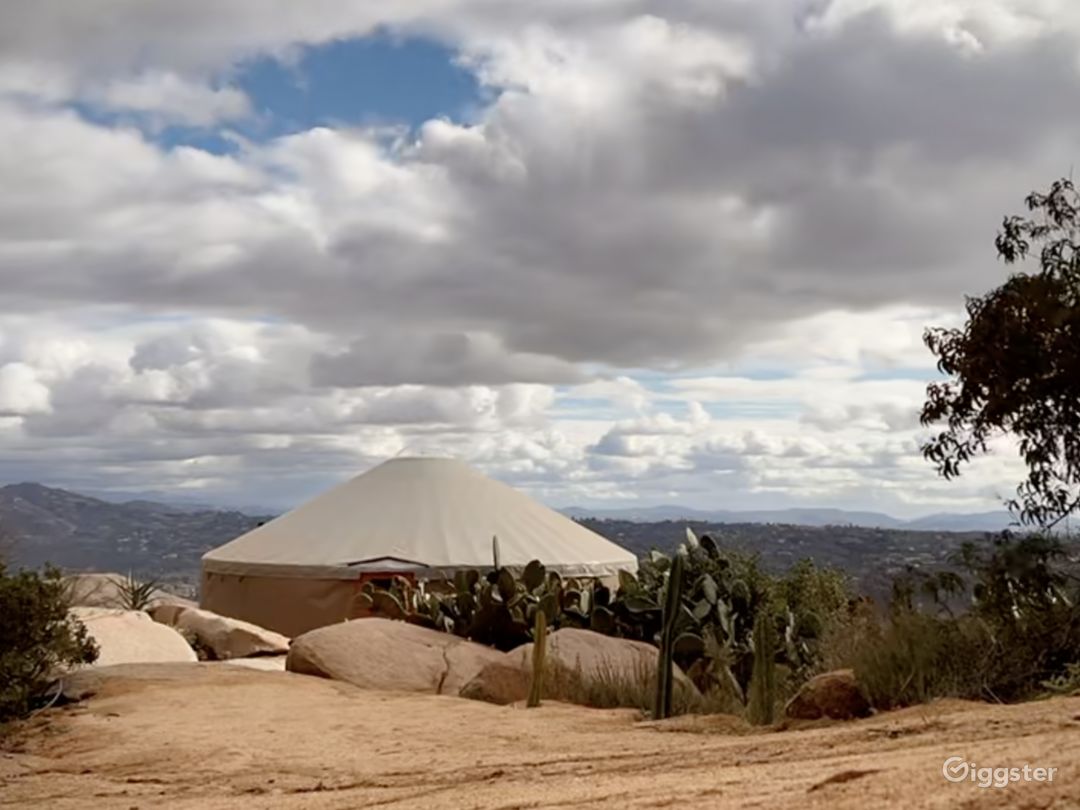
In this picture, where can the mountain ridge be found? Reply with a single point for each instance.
(803, 516)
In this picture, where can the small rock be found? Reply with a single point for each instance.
(499, 683)
(80, 684)
(832, 694)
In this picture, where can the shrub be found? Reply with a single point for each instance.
(37, 637)
(913, 658)
(815, 600)
(1019, 636)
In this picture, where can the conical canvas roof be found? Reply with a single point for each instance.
(429, 516)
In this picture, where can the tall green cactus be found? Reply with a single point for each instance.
(664, 667)
(539, 657)
(763, 677)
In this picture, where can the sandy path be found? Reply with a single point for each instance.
(211, 736)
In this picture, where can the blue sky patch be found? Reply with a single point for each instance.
(370, 81)
(380, 80)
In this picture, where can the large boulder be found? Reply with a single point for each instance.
(131, 637)
(595, 655)
(167, 613)
(106, 591)
(229, 638)
(385, 654)
(571, 653)
(834, 695)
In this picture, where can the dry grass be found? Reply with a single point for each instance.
(612, 687)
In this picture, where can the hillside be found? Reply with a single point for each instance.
(78, 532)
(943, 521)
(872, 557)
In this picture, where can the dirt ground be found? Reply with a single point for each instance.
(205, 736)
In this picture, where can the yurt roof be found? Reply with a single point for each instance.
(430, 516)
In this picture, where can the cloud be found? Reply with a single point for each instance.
(585, 217)
(20, 391)
(389, 358)
(673, 248)
(166, 98)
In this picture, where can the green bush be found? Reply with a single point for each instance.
(37, 637)
(1019, 636)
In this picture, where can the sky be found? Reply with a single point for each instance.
(615, 253)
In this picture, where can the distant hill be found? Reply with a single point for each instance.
(166, 540)
(872, 557)
(82, 533)
(942, 522)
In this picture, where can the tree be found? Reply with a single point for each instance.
(1014, 367)
(37, 637)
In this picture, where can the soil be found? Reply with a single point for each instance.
(205, 736)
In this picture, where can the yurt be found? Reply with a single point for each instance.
(424, 518)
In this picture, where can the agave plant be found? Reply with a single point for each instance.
(135, 595)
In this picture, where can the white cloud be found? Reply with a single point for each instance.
(167, 98)
(677, 249)
(21, 392)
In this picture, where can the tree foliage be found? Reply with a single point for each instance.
(37, 637)
(1014, 367)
